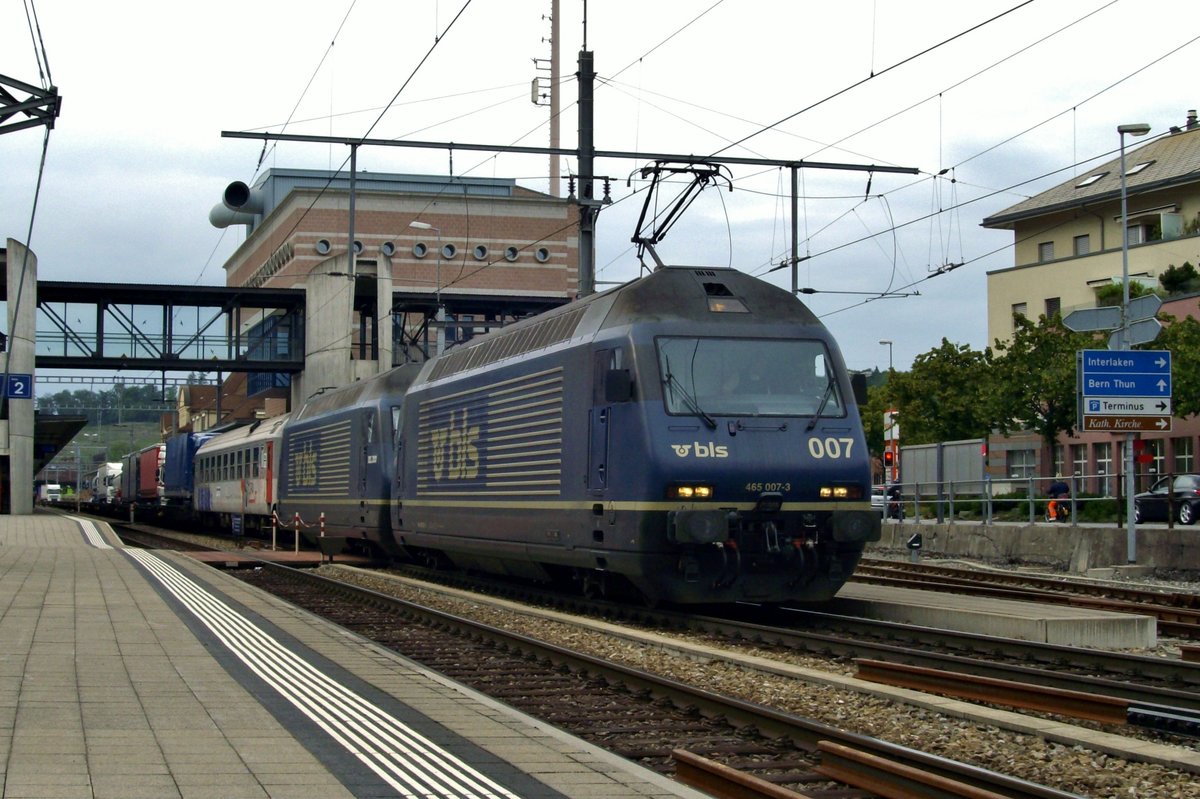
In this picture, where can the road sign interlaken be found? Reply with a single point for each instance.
(1126, 373)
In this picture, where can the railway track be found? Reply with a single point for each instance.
(1150, 692)
(1138, 679)
(1160, 693)
(638, 715)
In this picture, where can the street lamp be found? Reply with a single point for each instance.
(888, 342)
(1134, 129)
(79, 468)
(437, 287)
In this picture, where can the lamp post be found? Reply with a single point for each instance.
(888, 342)
(1135, 129)
(79, 468)
(439, 315)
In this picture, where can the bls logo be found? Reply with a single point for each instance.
(702, 450)
(304, 469)
(455, 450)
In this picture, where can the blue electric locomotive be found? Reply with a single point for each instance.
(338, 458)
(693, 434)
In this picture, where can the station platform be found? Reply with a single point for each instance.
(130, 673)
(1028, 621)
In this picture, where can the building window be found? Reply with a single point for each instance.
(1058, 460)
(1135, 234)
(1020, 462)
(1020, 309)
(1083, 244)
(1090, 179)
(1079, 455)
(1053, 307)
(1157, 452)
(1184, 455)
(1133, 170)
(1046, 251)
(1104, 467)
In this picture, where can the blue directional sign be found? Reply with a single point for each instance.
(19, 387)
(1125, 373)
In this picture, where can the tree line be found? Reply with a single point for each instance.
(954, 392)
(120, 404)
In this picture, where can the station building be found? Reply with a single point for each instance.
(437, 260)
(1068, 253)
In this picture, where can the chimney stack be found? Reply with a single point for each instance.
(1192, 124)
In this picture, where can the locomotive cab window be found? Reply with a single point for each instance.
(747, 377)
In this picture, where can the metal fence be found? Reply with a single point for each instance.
(949, 500)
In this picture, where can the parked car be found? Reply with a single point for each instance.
(1184, 496)
(878, 500)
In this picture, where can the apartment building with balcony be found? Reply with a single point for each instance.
(1067, 249)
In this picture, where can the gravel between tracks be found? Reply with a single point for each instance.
(1067, 768)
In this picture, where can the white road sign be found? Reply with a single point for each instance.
(1128, 406)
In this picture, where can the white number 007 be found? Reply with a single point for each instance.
(830, 447)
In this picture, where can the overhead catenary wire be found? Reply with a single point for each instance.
(977, 73)
(874, 75)
(39, 46)
(957, 205)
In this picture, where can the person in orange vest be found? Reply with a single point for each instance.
(1055, 509)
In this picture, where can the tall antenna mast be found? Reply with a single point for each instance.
(543, 94)
(555, 104)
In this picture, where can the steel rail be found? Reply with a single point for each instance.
(893, 641)
(1009, 693)
(723, 782)
(864, 770)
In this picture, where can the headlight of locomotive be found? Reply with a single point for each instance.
(690, 491)
(842, 492)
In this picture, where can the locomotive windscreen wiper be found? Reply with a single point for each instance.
(821, 408)
(689, 400)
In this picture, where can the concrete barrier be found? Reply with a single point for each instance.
(1073, 548)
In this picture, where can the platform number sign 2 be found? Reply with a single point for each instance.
(19, 387)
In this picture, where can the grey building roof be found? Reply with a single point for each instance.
(274, 185)
(1173, 160)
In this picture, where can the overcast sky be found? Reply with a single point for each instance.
(1009, 107)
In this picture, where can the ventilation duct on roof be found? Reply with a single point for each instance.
(239, 206)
